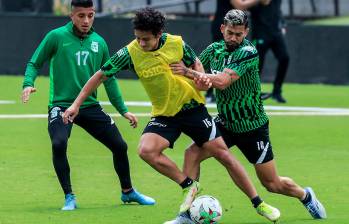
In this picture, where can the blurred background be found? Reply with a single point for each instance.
(317, 32)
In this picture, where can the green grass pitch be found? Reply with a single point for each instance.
(313, 150)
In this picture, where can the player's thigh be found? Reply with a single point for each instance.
(58, 131)
(256, 145)
(98, 124)
(163, 131)
(198, 124)
(228, 137)
(266, 172)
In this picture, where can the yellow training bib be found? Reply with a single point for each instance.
(167, 92)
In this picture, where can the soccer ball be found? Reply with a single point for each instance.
(205, 210)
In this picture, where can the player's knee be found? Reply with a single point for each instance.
(119, 147)
(59, 147)
(123, 146)
(145, 152)
(222, 155)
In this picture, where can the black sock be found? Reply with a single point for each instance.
(128, 192)
(256, 201)
(186, 183)
(307, 198)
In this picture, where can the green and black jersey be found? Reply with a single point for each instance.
(73, 60)
(239, 105)
(121, 60)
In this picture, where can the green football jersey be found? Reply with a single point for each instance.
(72, 61)
(239, 105)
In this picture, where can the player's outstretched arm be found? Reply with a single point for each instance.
(131, 118)
(26, 93)
(91, 85)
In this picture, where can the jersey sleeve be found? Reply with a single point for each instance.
(111, 86)
(121, 60)
(247, 59)
(205, 57)
(44, 52)
(189, 56)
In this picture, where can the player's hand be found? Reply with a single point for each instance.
(178, 68)
(70, 113)
(132, 119)
(26, 93)
(265, 2)
(202, 82)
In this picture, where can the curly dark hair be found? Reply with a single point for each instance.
(149, 19)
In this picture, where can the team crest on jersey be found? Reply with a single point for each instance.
(94, 46)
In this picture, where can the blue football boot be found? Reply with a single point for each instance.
(70, 202)
(314, 206)
(135, 196)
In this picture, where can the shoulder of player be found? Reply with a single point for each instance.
(57, 32)
(214, 47)
(177, 38)
(247, 48)
(97, 38)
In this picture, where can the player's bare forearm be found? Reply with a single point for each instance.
(220, 81)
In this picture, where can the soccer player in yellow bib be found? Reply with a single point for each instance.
(177, 104)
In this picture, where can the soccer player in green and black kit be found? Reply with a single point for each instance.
(233, 63)
(76, 51)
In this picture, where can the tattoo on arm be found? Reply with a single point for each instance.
(190, 73)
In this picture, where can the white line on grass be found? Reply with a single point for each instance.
(28, 116)
(270, 108)
(211, 105)
(7, 102)
(271, 111)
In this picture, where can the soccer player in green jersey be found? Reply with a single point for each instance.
(233, 64)
(177, 105)
(75, 51)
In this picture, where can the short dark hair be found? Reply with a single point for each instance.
(82, 3)
(236, 17)
(149, 19)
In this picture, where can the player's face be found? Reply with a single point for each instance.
(147, 40)
(83, 18)
(233, 35)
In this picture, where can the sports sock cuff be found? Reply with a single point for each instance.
(307, 198)
(256, 201)
(128, 192)
(186, 183)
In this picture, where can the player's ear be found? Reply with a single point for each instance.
(247, 30)
(222, 28)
